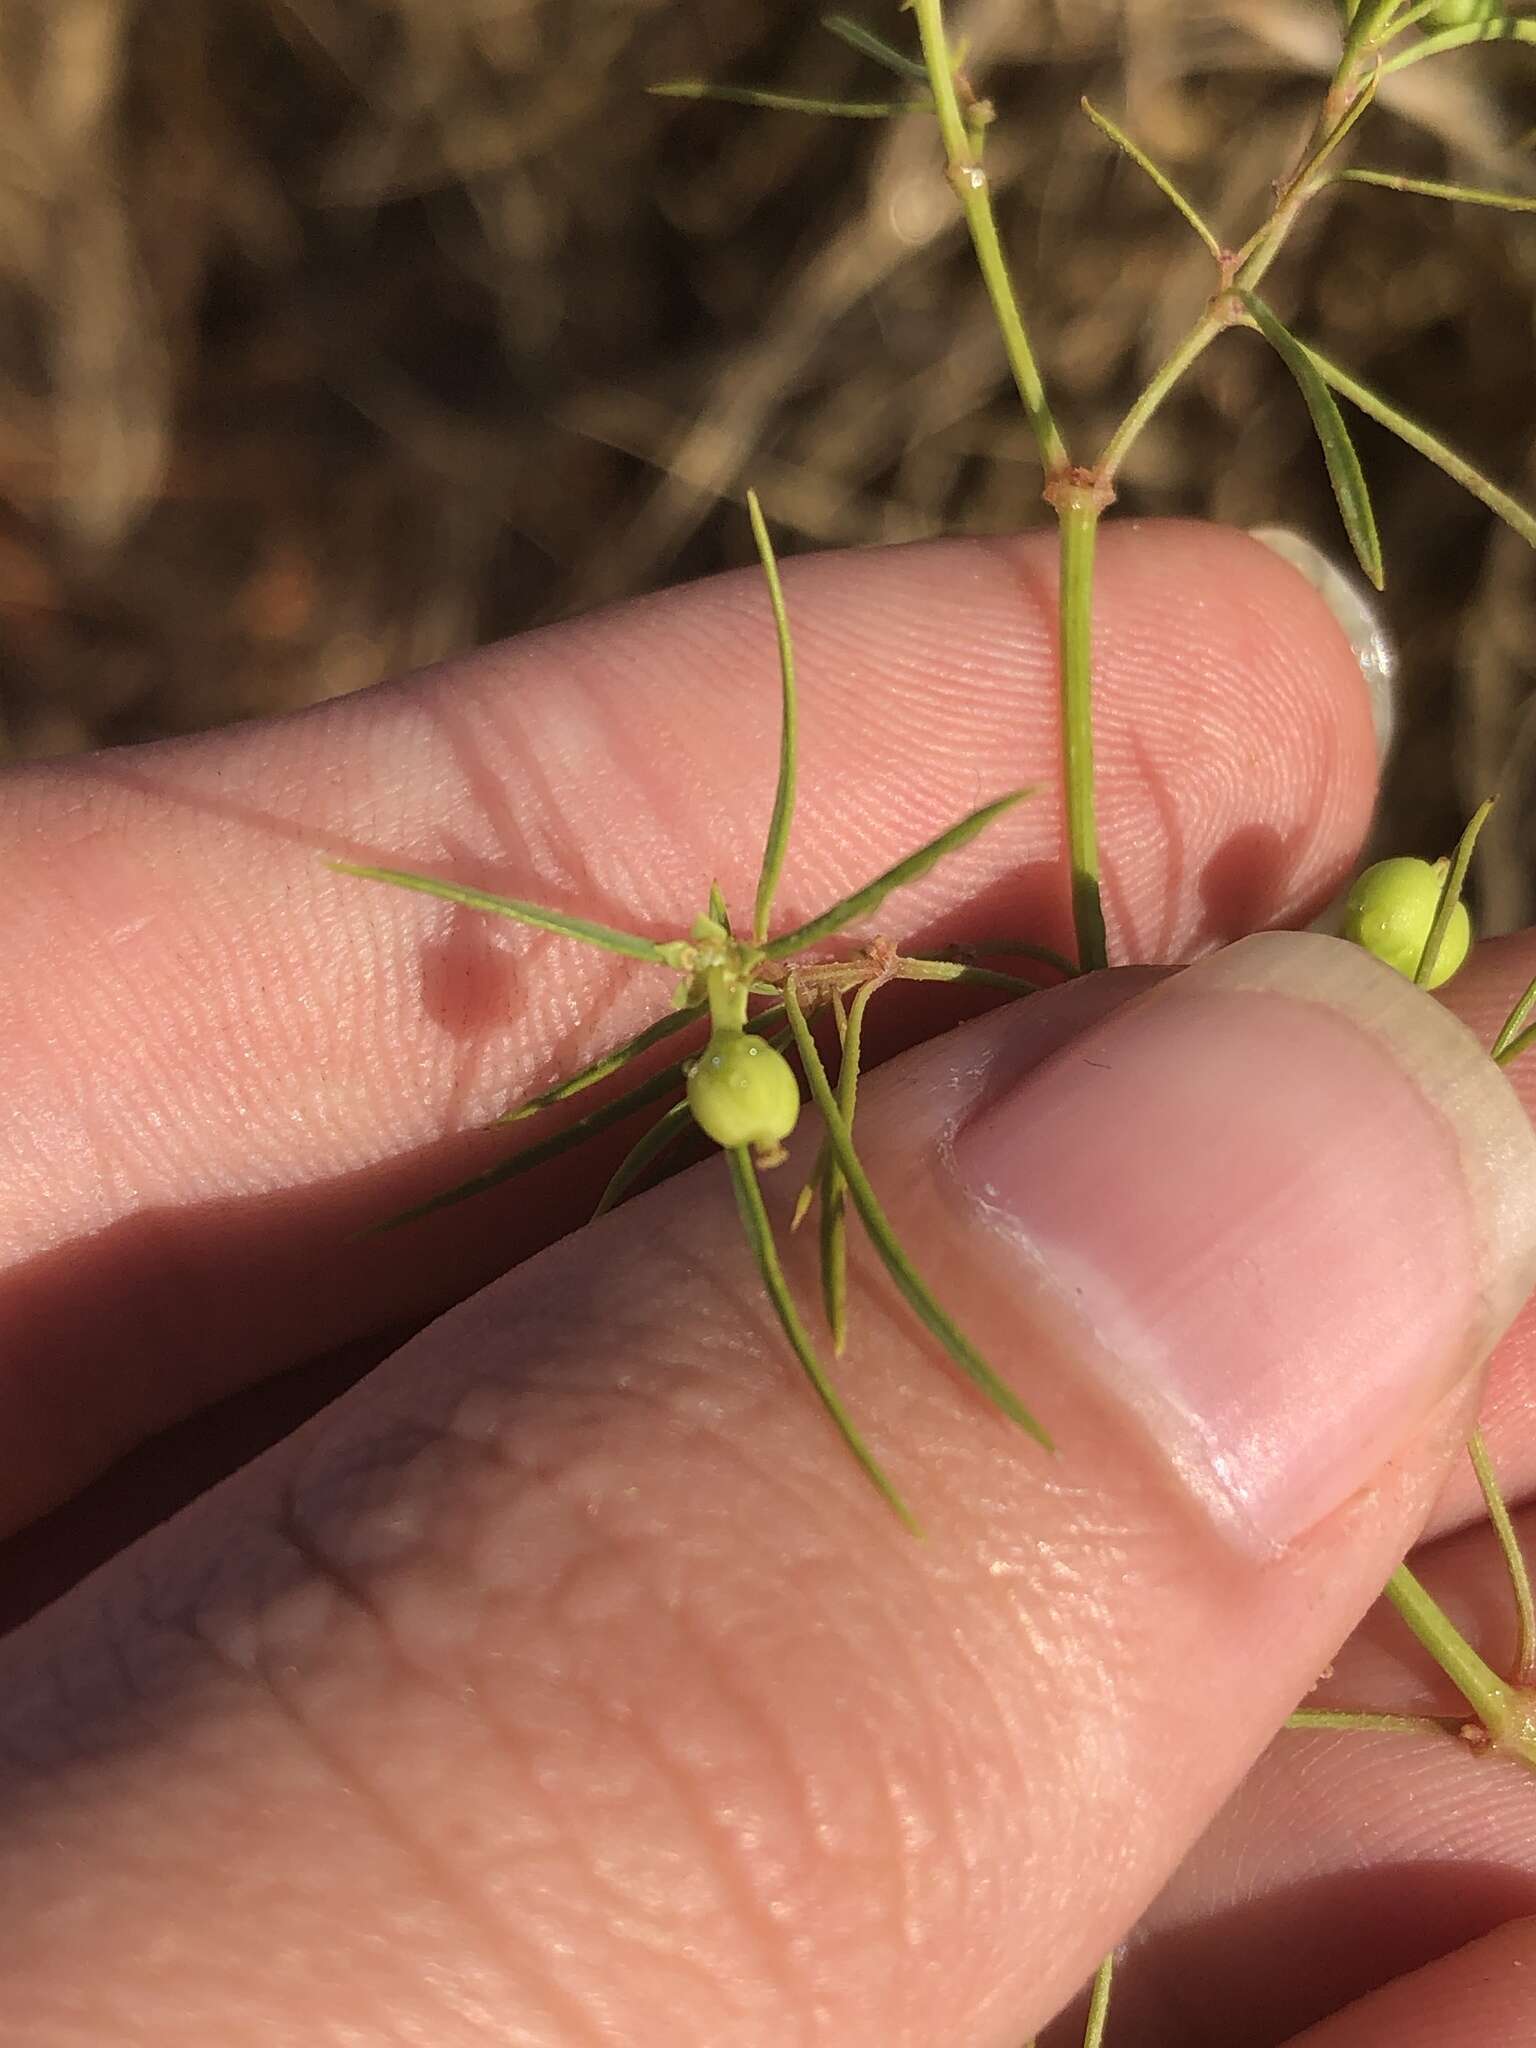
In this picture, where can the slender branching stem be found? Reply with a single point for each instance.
(972, 188)
(1504, 1710)
(1188, 352)
(1347, 100)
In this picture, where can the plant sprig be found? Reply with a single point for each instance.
(738, 1090)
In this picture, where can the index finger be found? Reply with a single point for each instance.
(223, 1059)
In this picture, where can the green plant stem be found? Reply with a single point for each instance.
(1514, 1556)
(1078, 509)
(1183, 358)
(1498, 1705)
(974, 193)
(1246, 270)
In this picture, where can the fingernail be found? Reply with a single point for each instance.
(1354, 606)
(1284, 1201)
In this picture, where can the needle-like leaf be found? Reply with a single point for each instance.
(784, 795)
(1160, 179)
(874, 893)
(788, 102)
(834, 1186)
(584, 928)
(1001, 949)
(916, 1293)
(759, 1234)
(1426, 444)
(667, 1131)
(573, 1135)
(1344, 471)
(610, 1062)
(1512, 1039)
(914, 967)
(1437, 188)
(1506, 28)
(1450, 894)
(1387, 1724)
(864, 40)
(1513, 1555)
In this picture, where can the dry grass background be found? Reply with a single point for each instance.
(338, 334)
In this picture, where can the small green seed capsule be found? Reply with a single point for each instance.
(1390, 909)
(1463, 13)
(743, 1091)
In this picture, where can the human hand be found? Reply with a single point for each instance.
(565, 1681)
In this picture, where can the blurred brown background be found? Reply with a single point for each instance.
(339, 334)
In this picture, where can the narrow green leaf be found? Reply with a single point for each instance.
(1513, 1555)
(1387, 1724)
(913, 1289)
(813, 1182)
(1425, 443)
(1509, 29)
(1517, 1046)
(1098, 2004)
(547, 1148)
(667, 1131)
(874, 893)
(1450, 893)
(718, 909)
(1437, 188)
(1160, 179)
(609, 1063)
(789, 723)
(759, 1235)
(788, 102)
(1512, 1040)
(834, 1220)
(1001, 949)
(1344, 471)
(864, 40)
(825, 1166)
(533, 914)
(914, 967)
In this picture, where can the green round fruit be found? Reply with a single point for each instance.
(1390, 909)
(1463, 13)
(743, 1091)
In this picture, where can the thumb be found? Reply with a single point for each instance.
(629, 1712)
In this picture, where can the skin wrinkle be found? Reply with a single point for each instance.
(485, 1932)
(441, 1877)
(703, 1836)
(556, 1367)
(722, 1844)
(817, 1794)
